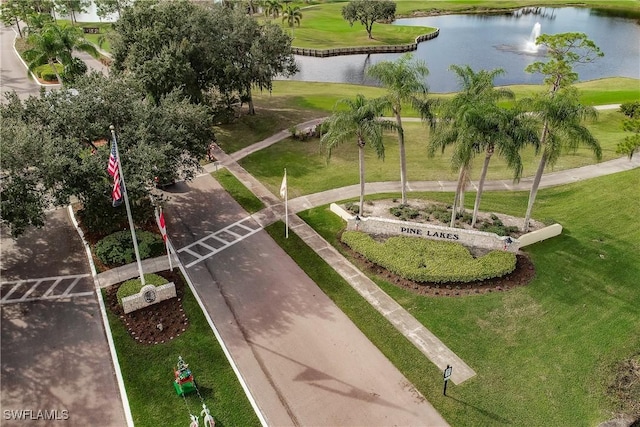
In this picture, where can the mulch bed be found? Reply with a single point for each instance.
(521, 276)
(142, 324)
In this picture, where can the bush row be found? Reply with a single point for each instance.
(423, 260)
(117, 248)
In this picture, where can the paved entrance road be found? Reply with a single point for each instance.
(53, 350)
(304, 361)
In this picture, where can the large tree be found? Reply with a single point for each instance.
(559, 110)
(166, 53)
(369, 11)
(211, 47)
(357, 119)
(56, 146)
(71, 7)
(253, 55)
(105, 8)
(404, 80)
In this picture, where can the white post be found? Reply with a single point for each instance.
(285, 185)
(126, 202)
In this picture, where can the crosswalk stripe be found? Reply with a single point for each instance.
(49, 298)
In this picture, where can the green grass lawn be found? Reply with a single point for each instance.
(544, 353)
(309, 171)
(323, 27)
(240, 193)
(148, 375)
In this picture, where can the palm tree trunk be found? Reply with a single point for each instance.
(361, 165)
(534, 190)
(483, 176)
(55, 70)
(403, 159)
(536, 179)
(457, 196)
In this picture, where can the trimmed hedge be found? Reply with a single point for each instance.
(133, 286)
(46, 73)
(423, 260)
(117, 248)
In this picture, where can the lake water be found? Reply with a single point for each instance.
(495, 41)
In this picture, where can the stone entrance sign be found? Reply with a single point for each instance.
(148, 295)
(473, 238)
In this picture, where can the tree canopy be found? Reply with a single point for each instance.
(56, 146)
(209, 47)
(369, 11)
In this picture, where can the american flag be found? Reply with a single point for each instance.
(114, 171)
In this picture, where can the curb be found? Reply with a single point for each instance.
(105, 322)
(244, 385)
(33, 77)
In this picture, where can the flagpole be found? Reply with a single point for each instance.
(286, 206)
(126, 203)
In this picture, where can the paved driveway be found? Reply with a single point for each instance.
(304, 361)
(54, 353)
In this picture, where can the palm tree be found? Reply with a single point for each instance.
(403, 79)
(292, 15)
(560, 110)
(505, 131)
(360, 121)
(56, 44)
(272, 8)
(562, 118)
(467, 124)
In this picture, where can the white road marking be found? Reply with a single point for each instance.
(218, 235)
(47, 295)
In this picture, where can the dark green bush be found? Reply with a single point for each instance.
(630, 109)
(117, 248)
(133, 286)
(404, 212)
(424, 260)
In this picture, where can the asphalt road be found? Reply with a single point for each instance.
(305, 362)
(53, 348)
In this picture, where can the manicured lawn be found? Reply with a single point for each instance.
(323, 27)
(543, 353)
(239, 192)
(309, 171)
(148, 375)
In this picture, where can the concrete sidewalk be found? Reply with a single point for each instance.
(434, 349)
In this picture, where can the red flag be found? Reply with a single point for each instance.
(114, 171)
(162, 226)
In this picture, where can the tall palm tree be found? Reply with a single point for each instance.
(55, 44)
(292, 16)
(562, 118)
(360, 120)
(404, 79)
(505, 131)
(272, 8)
(559, 110)
(466, 124)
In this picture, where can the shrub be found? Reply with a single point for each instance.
(46, 73)
(133, 286)
(423, 260)
(117, 248)
(630, 109)
(404, 212)
(354, 208)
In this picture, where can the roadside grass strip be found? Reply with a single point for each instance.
(148, 375)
